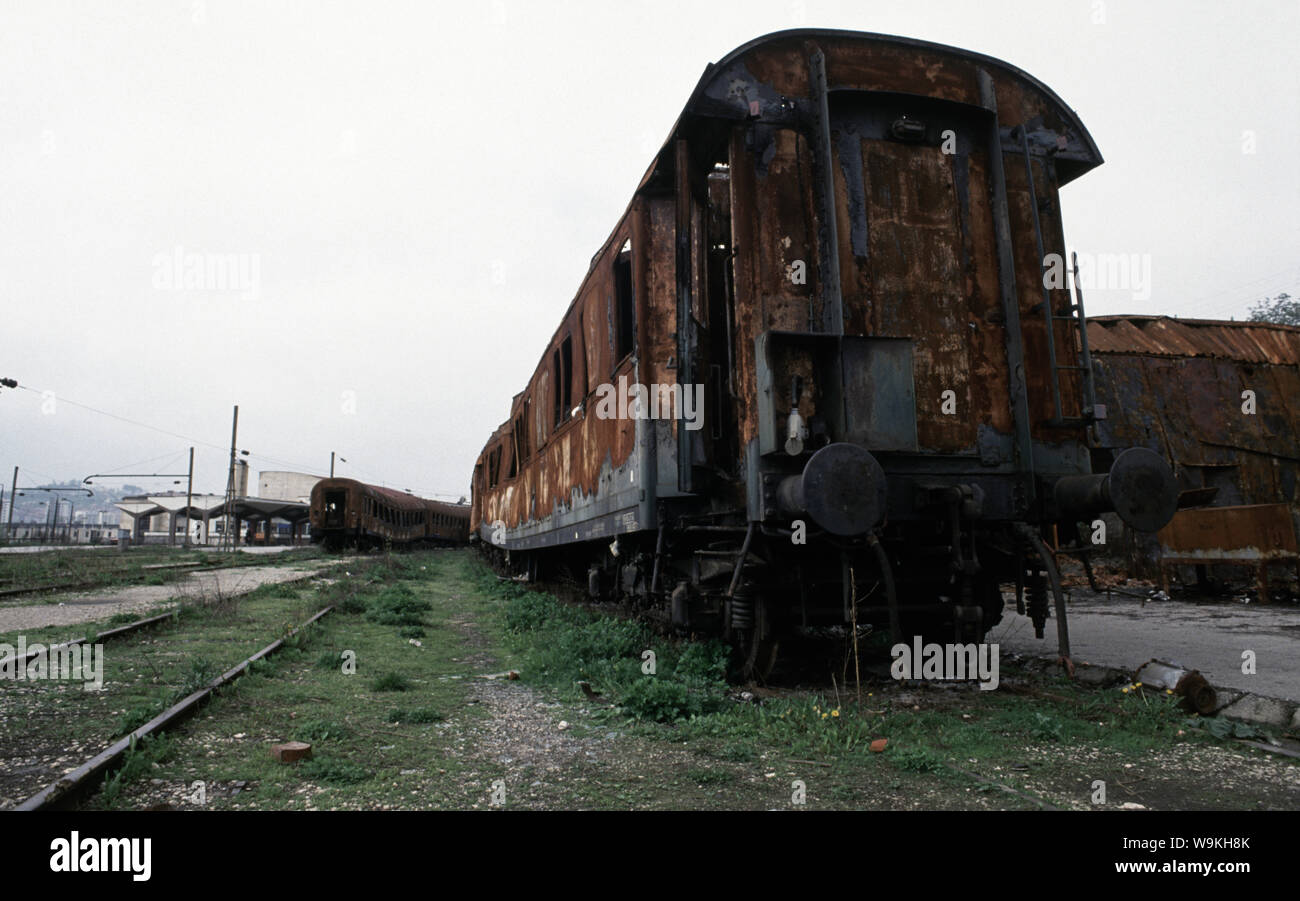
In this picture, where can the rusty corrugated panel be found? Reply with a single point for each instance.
(1228, 534)
(1252, 342)
(1176, 386)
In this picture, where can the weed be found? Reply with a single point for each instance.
(334, 771)
(138, 760)
(397, 606)
(390, 682)
(916, 760)
(320, 730)
(199, 676)
(709, 777)
(415, 715)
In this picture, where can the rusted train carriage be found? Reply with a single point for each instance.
(348, 513)
(819, 352)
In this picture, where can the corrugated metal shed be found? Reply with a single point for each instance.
(1179, 387)
(1249, 342)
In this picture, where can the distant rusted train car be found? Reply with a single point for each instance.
(824, 369)
(348, 513)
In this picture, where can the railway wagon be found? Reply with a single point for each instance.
(828, 367)
(348, 513)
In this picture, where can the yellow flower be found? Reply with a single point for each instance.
(1138, 684)
(824, 715)
(1169, 691)
(835, 713)
(1125, 689)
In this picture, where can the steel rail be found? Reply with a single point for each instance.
(90, 772)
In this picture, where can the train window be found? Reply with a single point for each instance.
(625, 303)
(562, 379)
(566, 357)
(520, 438)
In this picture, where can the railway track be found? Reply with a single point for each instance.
(66, 789)
(101, 582)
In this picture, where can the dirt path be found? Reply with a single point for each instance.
(88, 606)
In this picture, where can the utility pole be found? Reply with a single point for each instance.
(13, 496)
(331, 464)
(189, 498)
(228, 538)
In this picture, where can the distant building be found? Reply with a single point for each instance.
(286, 486)
(1219, 400)
(276, 514)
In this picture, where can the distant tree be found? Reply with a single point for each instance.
(1282, 309)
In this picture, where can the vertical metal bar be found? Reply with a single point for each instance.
(832, 294)
(227, 537)
(13, 496)
(1089, 387)
(189, 498)
(1024, 449)
(1054, 372)
(685, 330)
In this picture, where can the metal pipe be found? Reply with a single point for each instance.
(891, 595)
(740, 563)
(1054, 579)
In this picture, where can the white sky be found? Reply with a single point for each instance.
(422, 191)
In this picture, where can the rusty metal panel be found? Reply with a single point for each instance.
(1229, 534)
(1171, 387)
(1250, 342)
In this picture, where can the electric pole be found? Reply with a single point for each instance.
(189, 498)
(228, 538)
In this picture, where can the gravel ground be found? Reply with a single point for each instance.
(69, 608)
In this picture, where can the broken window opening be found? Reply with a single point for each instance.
(624, 303)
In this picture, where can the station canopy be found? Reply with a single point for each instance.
(206, 506)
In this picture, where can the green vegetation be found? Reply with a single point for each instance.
(415, 715)
(674, 734)
(390, 682)
(561, 645)
(104, 568)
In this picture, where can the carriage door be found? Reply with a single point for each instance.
(334, 503)
(918, 258)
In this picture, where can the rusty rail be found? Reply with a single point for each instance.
(111, 633)
(90, 772)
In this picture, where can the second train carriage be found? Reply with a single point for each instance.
(345, 512)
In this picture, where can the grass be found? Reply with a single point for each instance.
(360, 748)
(144, 673)
(670, 731)
(561, 645)
(104, 568)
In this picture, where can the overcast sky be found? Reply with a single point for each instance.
(414, 194)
